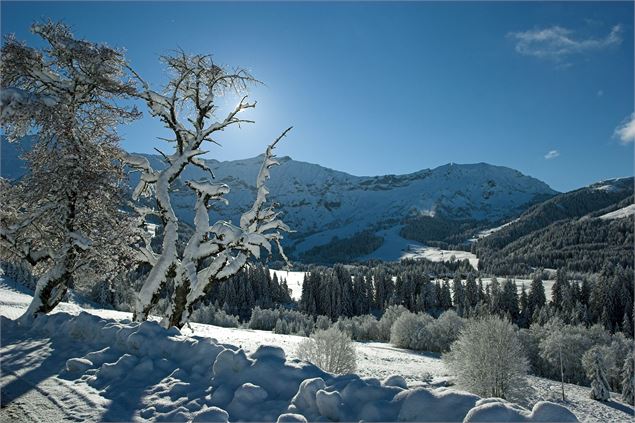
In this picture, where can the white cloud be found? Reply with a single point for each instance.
(552, 154)
(626, 131)
(557, 43)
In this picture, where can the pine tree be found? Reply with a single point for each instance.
(445, 299)
(525, 316)
(495, 295)
(459, 295)
(558, 291)
(509, 299)
(347, 293)
(628, 380)
(471, 292)
(536, 298)
(627, 327)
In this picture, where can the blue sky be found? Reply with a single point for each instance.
(375, 88)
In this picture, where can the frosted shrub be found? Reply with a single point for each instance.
(332, 350)
(412, 331)
(391, 314)
(19, 271)
(360, 328)
(322, 323)
(282, 321)
(211, 315)
(445, 330)
(488, 358)
(263, 319)
(281, 327)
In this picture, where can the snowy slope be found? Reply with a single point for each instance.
(320, 203)
(619, 214)
(89, 369)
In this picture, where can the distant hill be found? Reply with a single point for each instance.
(582, 230)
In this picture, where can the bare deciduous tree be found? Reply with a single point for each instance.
(188, 108)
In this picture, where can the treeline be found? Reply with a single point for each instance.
(344, 291)
(250, 288)
(226, 301)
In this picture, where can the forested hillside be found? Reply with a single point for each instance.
(566, 231)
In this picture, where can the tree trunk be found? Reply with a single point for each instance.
(179, 302)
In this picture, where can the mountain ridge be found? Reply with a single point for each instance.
(322, 203)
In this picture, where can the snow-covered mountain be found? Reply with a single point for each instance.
(321, 203)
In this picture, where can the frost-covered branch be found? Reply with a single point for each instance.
(212, 253)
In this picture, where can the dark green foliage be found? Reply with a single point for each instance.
(345, 249)
(570, 205)
(578, 245)
(439, 231)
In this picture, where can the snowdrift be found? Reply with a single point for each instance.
(161, 375)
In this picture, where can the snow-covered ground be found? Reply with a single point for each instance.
(487, 232)
(88, 369)
(437, 254)
(620, 213)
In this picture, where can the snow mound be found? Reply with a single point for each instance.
(162, 375)
(499, 410)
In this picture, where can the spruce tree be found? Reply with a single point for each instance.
(459, 295)
(559, 288)
(471, 292)
(536, 298)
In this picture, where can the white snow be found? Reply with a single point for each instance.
(99, 366)
(620, 213)
(487, 232)
(437, 254)
(294, 281)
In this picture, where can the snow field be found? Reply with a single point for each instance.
(26, 354)
(151, 373)
(439, 255)
(620, 213)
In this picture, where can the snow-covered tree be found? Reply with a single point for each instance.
(188, 108)
(331, 350)
(488, 358)
(628, 381)
(596, 371)
(64, 216)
